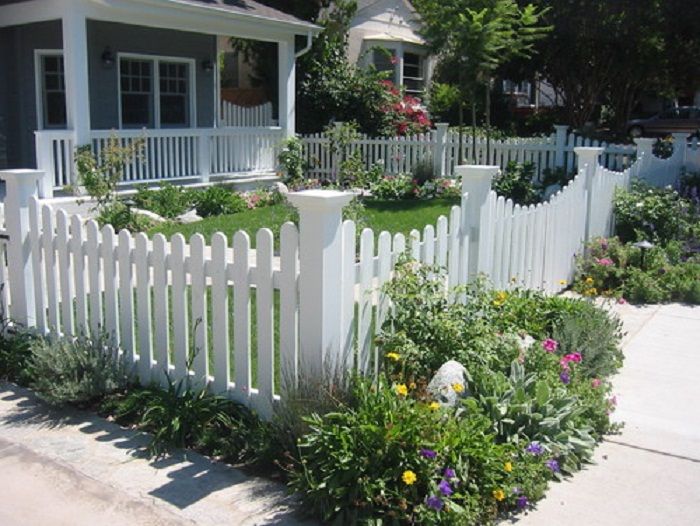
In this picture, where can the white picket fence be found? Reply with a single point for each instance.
(251, 116)
(440, 148)
(247, 322)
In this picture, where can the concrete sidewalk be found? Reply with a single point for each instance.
(650, 474)
(70, 468)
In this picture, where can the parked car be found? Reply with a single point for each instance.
(682, 119)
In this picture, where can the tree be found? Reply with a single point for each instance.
(611, 53)
(474, 37)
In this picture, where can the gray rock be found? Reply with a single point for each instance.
(281, 188)
(188, 217)
(441, 387)
(148, 214)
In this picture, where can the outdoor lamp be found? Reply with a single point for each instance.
(107, 57)
(207, 66)
(643, 246)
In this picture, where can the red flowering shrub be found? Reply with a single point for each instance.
(403, 114)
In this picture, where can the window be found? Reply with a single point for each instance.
(52, 90)
(413, 73)
(173, 94)
(155, 92)
(136, 79)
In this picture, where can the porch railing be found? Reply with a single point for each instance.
(167, 154)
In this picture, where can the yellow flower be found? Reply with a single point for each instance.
(589, 280)
(499, 494)
(508, 467)
(434, 406)
(409, 477)
(458, 387)
(412, 385)
(401, 389)
(393, 356)
(562, 282)
(592, 291)
(501, 298)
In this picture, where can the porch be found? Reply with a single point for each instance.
(78, 72)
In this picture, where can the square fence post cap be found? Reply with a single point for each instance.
(27, 175)
(477, 170)
(320, 199)
(644, 141)
(589, 149)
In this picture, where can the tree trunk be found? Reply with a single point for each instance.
(488, 121)
(460, 153)
(474, 130)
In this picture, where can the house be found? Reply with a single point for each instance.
(385, 33)
(75, 72)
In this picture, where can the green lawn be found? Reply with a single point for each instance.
(393, 216)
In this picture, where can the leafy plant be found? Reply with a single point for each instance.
(217, 200)
(168, 201)
(181, 416)
(121, 216)
(77, 371)
(15, 353)
(292, 161)
(516, 182)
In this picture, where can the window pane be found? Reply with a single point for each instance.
(136, 110)
(173, 110)
(136, 99)
(53, 97)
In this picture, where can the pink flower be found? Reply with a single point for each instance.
(394, 59)
(605, 262)
(621, 301)
(550, 345)
(595, 383)
(571, 357)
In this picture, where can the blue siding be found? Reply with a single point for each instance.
(104, 104)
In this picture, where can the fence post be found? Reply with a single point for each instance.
(204, 154)
(20, 185)
(476, 183)
(43, 151)
(320, 277)
(680, 146)
(561, 133)
(440, 149)
(588, 157)
(645, 151)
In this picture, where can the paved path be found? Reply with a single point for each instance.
(650, 474)
(71, 468)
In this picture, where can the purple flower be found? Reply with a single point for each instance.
(564, 377)
(449, 473)
(553, 465)
(534, 448)
(521, 502)
(445, 488)
(434, 502)
(428, 453)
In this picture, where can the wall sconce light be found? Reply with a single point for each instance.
(107, 57)
(207, 66)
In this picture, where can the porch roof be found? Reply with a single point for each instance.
(242, 18)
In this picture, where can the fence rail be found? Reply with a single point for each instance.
(248, 322)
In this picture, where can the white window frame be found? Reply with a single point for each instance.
(399, 48)
(156, 60)
(39, 54)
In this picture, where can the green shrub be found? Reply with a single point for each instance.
(658, 215)
(168, 201)
(180, 417)
(292, 161)
(121, 216)
(77, 371)
(392, 187)
(516, 182)
(217, 200)
(15, 353)
(386, 457)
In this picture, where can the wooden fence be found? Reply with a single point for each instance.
(440, 149)
(248, 322)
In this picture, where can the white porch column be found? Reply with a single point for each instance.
(287, 79)
(75, 57)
